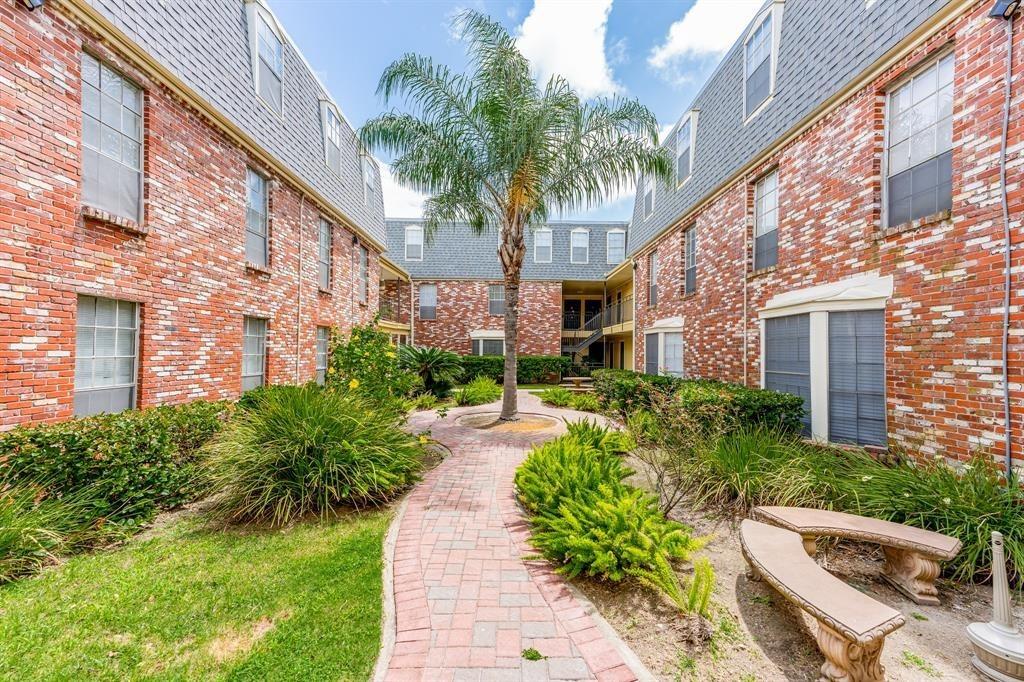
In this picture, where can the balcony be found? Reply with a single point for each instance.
(391, 308)
(618, 316)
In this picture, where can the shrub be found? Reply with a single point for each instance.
(309, 451)
(702, 584)
(585, 402)
(425, 401)
(566, 468)
(557, 397)
(191, 425)
(530, 369)
(599, 437)
(366, 363)
(254, 396)
(438, 369)
(479, 391)
(624, 390)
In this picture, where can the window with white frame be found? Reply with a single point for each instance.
(111, 140)
(759, 63)
(651, 363)
(495, 346)
(787, 359)
(364, 274)
(413, 242)
(579, 251)
(672, 342)
(106, 355)
(919, 142)
(652, 278)
(496, 299)
(856, 377)
(684, 152)
(766, 221)
(542, 246)
(269, 61)
(254, 352)
(690, 260)
(428, 301)
(323, 342)
(332, 137)
(256, 231)
(647, 187)
(369, 178)
(325, 254)
(616, 246)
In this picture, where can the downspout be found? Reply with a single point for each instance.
(1007, 250)
(743, 285)
(298, 307)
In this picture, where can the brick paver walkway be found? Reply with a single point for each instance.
(466, 604)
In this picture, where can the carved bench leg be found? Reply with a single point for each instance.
(810, 545)
(912, 574)
(846, 661)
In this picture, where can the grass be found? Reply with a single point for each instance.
(912, 660)
(190, 603)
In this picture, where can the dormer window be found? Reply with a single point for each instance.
(616, 246)
(685, 135)
(579, 251)
(368, 179)
(332, 137)
(647, 186)
(760, 51)
(413, 242)
(267, 48)
(542, 246)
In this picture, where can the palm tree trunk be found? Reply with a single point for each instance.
(511, 251)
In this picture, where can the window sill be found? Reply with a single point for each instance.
(257, 269)
(762, 272)
(689, 294)
(127, 224)
(926, 221)
(324, 292)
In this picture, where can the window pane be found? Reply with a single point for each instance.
(492, 347)
(105, 355)
(787, 359)
(674, 354)
(857, 377)
(651, 354)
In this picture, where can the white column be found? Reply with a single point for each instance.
(819, 374)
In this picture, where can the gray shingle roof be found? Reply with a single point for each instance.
(454, 252)
(822, 47)
(206, 44)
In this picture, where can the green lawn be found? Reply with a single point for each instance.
(191, 603)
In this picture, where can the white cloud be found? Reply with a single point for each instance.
(399, 202)
(567, 38)
(707, 30)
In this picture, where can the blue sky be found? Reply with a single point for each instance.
(660, 51)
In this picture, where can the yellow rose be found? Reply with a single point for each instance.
(354, 384)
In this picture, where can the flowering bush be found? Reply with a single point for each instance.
(366, 363)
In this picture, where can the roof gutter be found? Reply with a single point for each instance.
(89, 16)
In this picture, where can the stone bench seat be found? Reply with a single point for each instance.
(912, 555)
(851, 625)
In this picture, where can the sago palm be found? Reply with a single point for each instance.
(437, 367)
(496, 150)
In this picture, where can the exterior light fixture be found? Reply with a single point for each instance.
(32, 4)
(1002, 9)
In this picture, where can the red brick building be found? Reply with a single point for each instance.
(170, 232)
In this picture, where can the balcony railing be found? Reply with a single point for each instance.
(391, 309)
(618, 313)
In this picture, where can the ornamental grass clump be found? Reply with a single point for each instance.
(556, 397)
(479, 391)
(309, 451)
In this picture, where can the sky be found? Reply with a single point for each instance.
(658, 51)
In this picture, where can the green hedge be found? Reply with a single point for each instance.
(531, 369)
(627, 391)
(132, 463)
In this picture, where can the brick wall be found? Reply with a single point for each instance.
(187, 273)
(943, 322)
(462, 307)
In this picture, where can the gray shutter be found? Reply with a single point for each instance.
(787, 359)
(651, 353)
(856, 377)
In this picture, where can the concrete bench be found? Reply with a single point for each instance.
(912, 555)
(851, 625)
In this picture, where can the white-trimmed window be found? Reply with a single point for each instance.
(542, 245)
(428, 301)
(652, 278)
(690, 260)
(579, 247)
(672, 343)
(106, 355)
(685, 137)
(919, 144)
(663, 350)
(364, 274)
(616, 246)
(766, 221)
(254, 352)
(332, 136)
(496, 299)
(267, 45)
(256, 223)
(323, 342)
(369, 178)
(489, 346)
(111, 140)
(325, 254)
(647, 189)
(414, 242)
(760, 52)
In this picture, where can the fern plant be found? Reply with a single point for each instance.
(566, 468)
(589, 432)
(702, 584)
(556, 396)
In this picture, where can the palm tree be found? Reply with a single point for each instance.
(495, 150)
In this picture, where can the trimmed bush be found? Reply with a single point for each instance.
(308, 451)
(556, 397)
(479, 391)
(530, 369)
